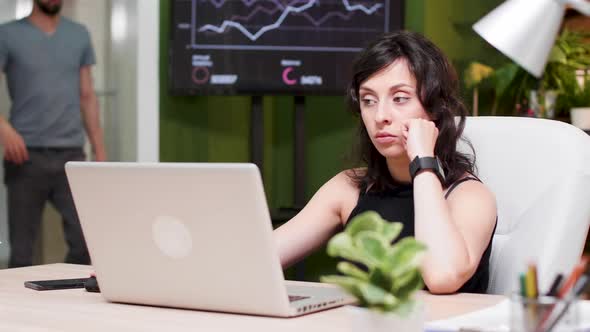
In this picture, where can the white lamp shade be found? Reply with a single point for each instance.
(524, 30)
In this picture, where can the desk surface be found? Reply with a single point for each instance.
(23, 309)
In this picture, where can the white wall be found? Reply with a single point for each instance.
(148, 101)
(122, 78)
(133, 74)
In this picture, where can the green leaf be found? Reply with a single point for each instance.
(404, 256)
(349, 284)
(405, 308)
(367, 294)
(341, 245)
(557, 55)
(504, 76)
(391, 231)
(339, 280)
(380, 278)
(578, 64)
(371, 244)
(407, 284)
(366, 221)
(374, 295)
(352, 271)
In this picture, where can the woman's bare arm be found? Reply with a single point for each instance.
(456, 230)
(318, 221)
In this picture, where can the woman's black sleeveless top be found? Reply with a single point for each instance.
(398, 205)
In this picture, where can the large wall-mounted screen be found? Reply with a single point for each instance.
(272, 46)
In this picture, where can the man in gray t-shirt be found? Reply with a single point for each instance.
(47, 61)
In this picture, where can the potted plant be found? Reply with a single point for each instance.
(571, 53)
(515, 89)
(382, 276)
(474, 74)
(579, 104)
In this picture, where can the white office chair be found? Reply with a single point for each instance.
(539, 171)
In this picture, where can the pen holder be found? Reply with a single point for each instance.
(538, 314)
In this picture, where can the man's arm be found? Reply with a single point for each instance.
(15, 149)
(90, 114)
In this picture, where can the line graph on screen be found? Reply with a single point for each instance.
(272, 46)
(297, 25)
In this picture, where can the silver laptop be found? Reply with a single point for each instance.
(187, 235)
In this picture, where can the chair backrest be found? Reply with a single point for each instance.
(539, 171)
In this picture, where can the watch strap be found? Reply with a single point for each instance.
(423, 163)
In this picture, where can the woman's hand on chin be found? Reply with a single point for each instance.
(420, 137)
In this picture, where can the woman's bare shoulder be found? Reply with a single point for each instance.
(347, 190)
(474, 190)
(349, 178)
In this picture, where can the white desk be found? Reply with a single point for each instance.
(23, 309)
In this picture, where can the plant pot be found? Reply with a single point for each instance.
(580, 117)
(365, 320)
(550, 99)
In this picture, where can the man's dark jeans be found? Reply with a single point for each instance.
(29, 186)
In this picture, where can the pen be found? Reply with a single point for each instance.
(571, 280)
(534, 281)
(572, 296)
(565, 288)
(532, 294)
(530, 283)
(555, 285)
(522, 285)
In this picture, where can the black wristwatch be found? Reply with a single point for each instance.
(422, 163)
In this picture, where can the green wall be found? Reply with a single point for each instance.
(200, 129)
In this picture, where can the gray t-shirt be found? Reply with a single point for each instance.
(43, 76)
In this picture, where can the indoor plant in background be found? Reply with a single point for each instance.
(474, 74)
(579, 103)
(388, 279)
(571, 53)
(514, 88)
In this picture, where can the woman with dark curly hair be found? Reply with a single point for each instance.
(406, 93)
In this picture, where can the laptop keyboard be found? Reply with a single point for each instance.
(294, 298)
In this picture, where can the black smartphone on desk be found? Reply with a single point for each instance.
(91, 285)
(56, 284)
